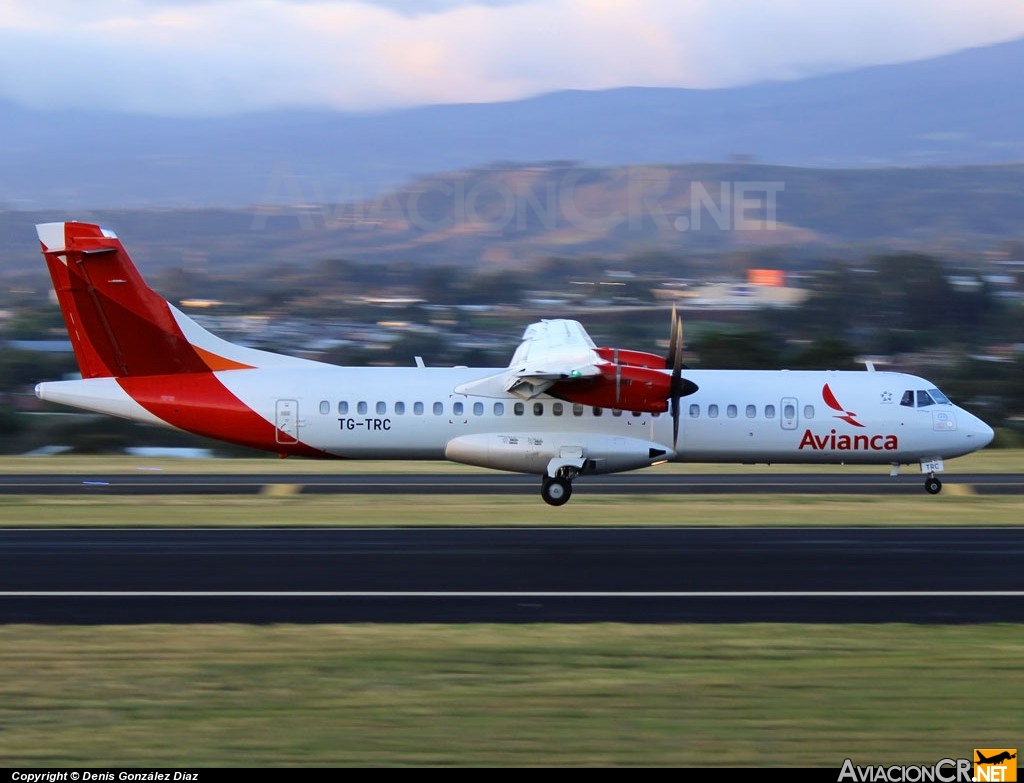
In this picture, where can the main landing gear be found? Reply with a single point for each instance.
(557, 491)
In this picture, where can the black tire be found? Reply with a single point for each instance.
(932, 486)
(555, 491)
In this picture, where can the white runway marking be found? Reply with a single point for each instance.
(506, 594)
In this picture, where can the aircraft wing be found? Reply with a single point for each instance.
(551, 351)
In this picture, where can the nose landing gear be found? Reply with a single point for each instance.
(932, 485)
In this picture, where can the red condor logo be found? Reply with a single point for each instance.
(836, 442)
(831, 401)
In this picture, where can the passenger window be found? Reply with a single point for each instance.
(808, 411)
(694, 411)
(457, 409)
(478, 409)
(361, 407)
(616, 412)
(731, 411)
(712, 411)
(382, 408)
(538, 409)
(769, 411)
(636, 413)
(556, 408)
(499, 409)
(789, 411)
(908, 398)
(598, 411)
(325, 407)
(751, 411)
(577, 409)
(518, 409)
(400, 408)
(417, 408)
(343, 407)
(438, 408)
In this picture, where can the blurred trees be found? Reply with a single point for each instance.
(897, 303)
(940, 321)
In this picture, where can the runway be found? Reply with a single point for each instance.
(640, 483)
(513, 575)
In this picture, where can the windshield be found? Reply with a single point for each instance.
(922, 398)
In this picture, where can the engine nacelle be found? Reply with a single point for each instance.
(618, 386)
(531, 452)
(632, 358)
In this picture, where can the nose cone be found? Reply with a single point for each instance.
(979, 434)
(985, 434)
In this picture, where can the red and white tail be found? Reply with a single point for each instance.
(141, 358)
(119, 327)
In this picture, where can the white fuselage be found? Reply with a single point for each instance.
(735, 416)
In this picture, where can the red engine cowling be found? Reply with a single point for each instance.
(632, 358)
(620, 386)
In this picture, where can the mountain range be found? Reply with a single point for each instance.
(505, 216)
(959, 109)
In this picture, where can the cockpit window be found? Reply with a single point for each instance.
(922, 398)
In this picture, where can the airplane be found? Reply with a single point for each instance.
(996, 759)
(562, 408)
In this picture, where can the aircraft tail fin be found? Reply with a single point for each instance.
(119, 327)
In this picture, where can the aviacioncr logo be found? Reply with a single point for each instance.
(830, 400)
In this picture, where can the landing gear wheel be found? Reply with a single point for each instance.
(932, 485)
(555, 491)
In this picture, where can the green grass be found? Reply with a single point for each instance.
(987, 461)
(586, 509)
(705, 695)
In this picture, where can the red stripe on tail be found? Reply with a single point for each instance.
(118, 325)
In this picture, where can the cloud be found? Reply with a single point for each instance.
(225, 56)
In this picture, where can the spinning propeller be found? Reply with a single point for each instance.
(679, 387)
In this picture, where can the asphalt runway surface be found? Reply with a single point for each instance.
(513, 575)
(640, 483)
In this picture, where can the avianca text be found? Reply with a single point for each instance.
(835, 442)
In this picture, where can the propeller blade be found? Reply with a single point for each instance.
(676, 388)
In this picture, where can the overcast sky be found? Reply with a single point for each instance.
(204, 57)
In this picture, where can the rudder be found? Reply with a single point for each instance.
(119, 327)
